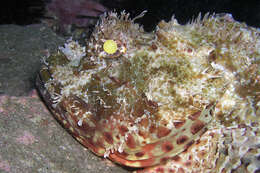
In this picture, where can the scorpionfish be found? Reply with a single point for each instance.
(183, 98)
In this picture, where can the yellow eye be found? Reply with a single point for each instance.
(110, 46)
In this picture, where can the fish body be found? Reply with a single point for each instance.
(161, 98)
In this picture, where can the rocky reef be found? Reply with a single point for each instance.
(180, 98)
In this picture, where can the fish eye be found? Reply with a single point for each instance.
(110, 46)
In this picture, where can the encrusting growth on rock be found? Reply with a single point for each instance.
(183, 96)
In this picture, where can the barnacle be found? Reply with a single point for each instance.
(110, 46)
(183, 96)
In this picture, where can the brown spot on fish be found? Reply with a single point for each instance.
(164, 159)
(196, 126)
(108, 137)
(143, 134)
(123, 130)
(187, 146)
(194, 116)
(139, 154)
(153, 46)
(182, 139)
(162, 132)
(130, 142)
(171, 171)
(181, 170)
(167, 146)
(176, 158)
(152, 128)
(159, 170)
(179, 124)
(188, 163)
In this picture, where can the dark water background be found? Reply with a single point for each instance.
(24, 12)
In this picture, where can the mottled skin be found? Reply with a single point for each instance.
(172, 96)
(170, 141)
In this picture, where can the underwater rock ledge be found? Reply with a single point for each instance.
(180, 98)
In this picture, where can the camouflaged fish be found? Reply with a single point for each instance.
(183, 98)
